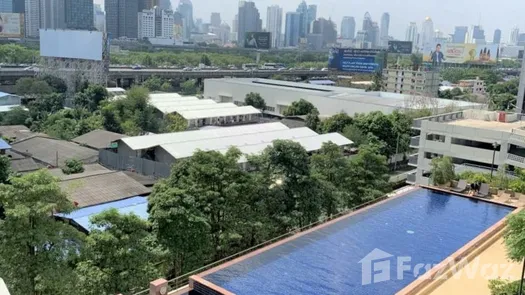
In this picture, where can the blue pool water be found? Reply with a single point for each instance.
(424, 225)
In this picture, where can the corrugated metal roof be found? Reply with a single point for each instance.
(2, 94)
(135, 205)
(322, 82)
(164, 95)
(98, 139)
(202, 114)
(186, 149)
(226, 105)
(4, 145)
(148, 141)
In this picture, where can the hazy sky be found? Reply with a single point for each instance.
(502, 14)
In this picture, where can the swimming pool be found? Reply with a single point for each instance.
(424, 225)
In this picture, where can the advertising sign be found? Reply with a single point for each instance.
(71, 44)
(461, 53)
(11, 25)
(258, 40)
(402, 47)
(356, 60)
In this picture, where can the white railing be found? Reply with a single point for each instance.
(516, 158)
(414, 141)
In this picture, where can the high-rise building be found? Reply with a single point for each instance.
(99, 18)
(302, 9)
(121, 18)
(348, 27)
(411, 34)
(52, 14)
(385, 25)
(6, 6)
(79, 14)
(513, 40)
(496, 39)
(249, 20)
(32, 18)
(477, 35)
(164, 4)
(292, 29)
(460, 34)
(223, 32)
(374, 35)
(215, 19)
(274, 24)
(367, 22)
(427, 34)
(185, 8)
(155, 23)
(312, 15)
(326, 28)
(147, 4)
(361, 40)
(19, 6)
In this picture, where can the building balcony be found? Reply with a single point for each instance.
(516, 160)
(412, 160)
(411, 178)
(414, 142)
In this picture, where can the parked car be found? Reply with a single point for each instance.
(136, 67)
(324, 69)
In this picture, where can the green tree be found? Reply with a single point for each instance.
(205, 59)
(32, 87)
(116, 257)
(336, 123)
(312, 120)
(502, 102)
(514, 236)
(299, 108)
(504, 287)
(189, 87)
(377, 82)
(36, 251)
(255, 100)
(442, 170)
(153, 83)
(73, 166)
(174, 123)
(91, 97)
(416, 60)
(15, 116)
(356, 135)
(5, 168)
(56, 83)
(381, 126)
(166, 87)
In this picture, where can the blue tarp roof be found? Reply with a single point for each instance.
(136, 205)
(322, 82)
(2, 94)
(4, 145)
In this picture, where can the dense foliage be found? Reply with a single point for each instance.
(255, 100)
(73, 166)
(299, 108)
(442, 170)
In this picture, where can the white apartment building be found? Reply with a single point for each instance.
(32, 18)
(155, 23)
(474, 139)
(411, 82)
(146, 24)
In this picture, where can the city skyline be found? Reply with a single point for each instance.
(497, 17)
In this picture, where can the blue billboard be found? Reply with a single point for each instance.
(356, 60)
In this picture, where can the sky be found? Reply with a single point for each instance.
(502, 14)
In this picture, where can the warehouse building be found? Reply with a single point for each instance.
(329, 100)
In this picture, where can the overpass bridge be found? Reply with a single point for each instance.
(126, 76)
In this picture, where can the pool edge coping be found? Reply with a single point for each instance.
(424, 281)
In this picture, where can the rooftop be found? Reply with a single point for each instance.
(24, 165)
(149, 141)
(98, 139)
(15, 132)
(89, 170)
(54, 151)
(135, 205)
(214, 113)
(492, 125)
(102, 188)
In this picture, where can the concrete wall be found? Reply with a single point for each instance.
(125, 151)
(164, 157)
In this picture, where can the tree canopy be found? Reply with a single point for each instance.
(299, 108)
(442, 170)
(255, 100)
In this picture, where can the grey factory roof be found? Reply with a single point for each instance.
(24, 165)
(348, 94)
(102, 188)
(89, 170)
(98, 139)
(49, 150)
(16, 132)
(186, 149)
(149, 141)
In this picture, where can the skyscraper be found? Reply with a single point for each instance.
(385, 24)
(155, 23)
(427, 34)
(411, 33)
(6, 6)
(514, 34)
(348, 27)
(292, 28)
(274, 23)
(374, 35)
(368, 28)
(99, 18)
(326, 28)
(185, 8)
(164, 4)
(32, 18)
(249, 20)
(312, 15)
(121, 18)
(19, 6)
(79, 14)
(460, 33)
(52, 14)
(215, 19)
(302, 9)
(477, 35)
(497, 37)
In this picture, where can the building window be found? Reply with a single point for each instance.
(270, 109)
(436, 137)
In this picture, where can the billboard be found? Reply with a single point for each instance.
(461, 53)
(520, 54)
(402, 47)
(11, 25)
(356, 60)
(259, 40)
(71, 44)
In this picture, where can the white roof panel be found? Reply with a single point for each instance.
(186, 149)
(180, 108)
(202, 114)
(163, 95)
(148, 141)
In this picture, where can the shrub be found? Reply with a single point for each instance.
(73, 166)
(517, 185)
(503, 287)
